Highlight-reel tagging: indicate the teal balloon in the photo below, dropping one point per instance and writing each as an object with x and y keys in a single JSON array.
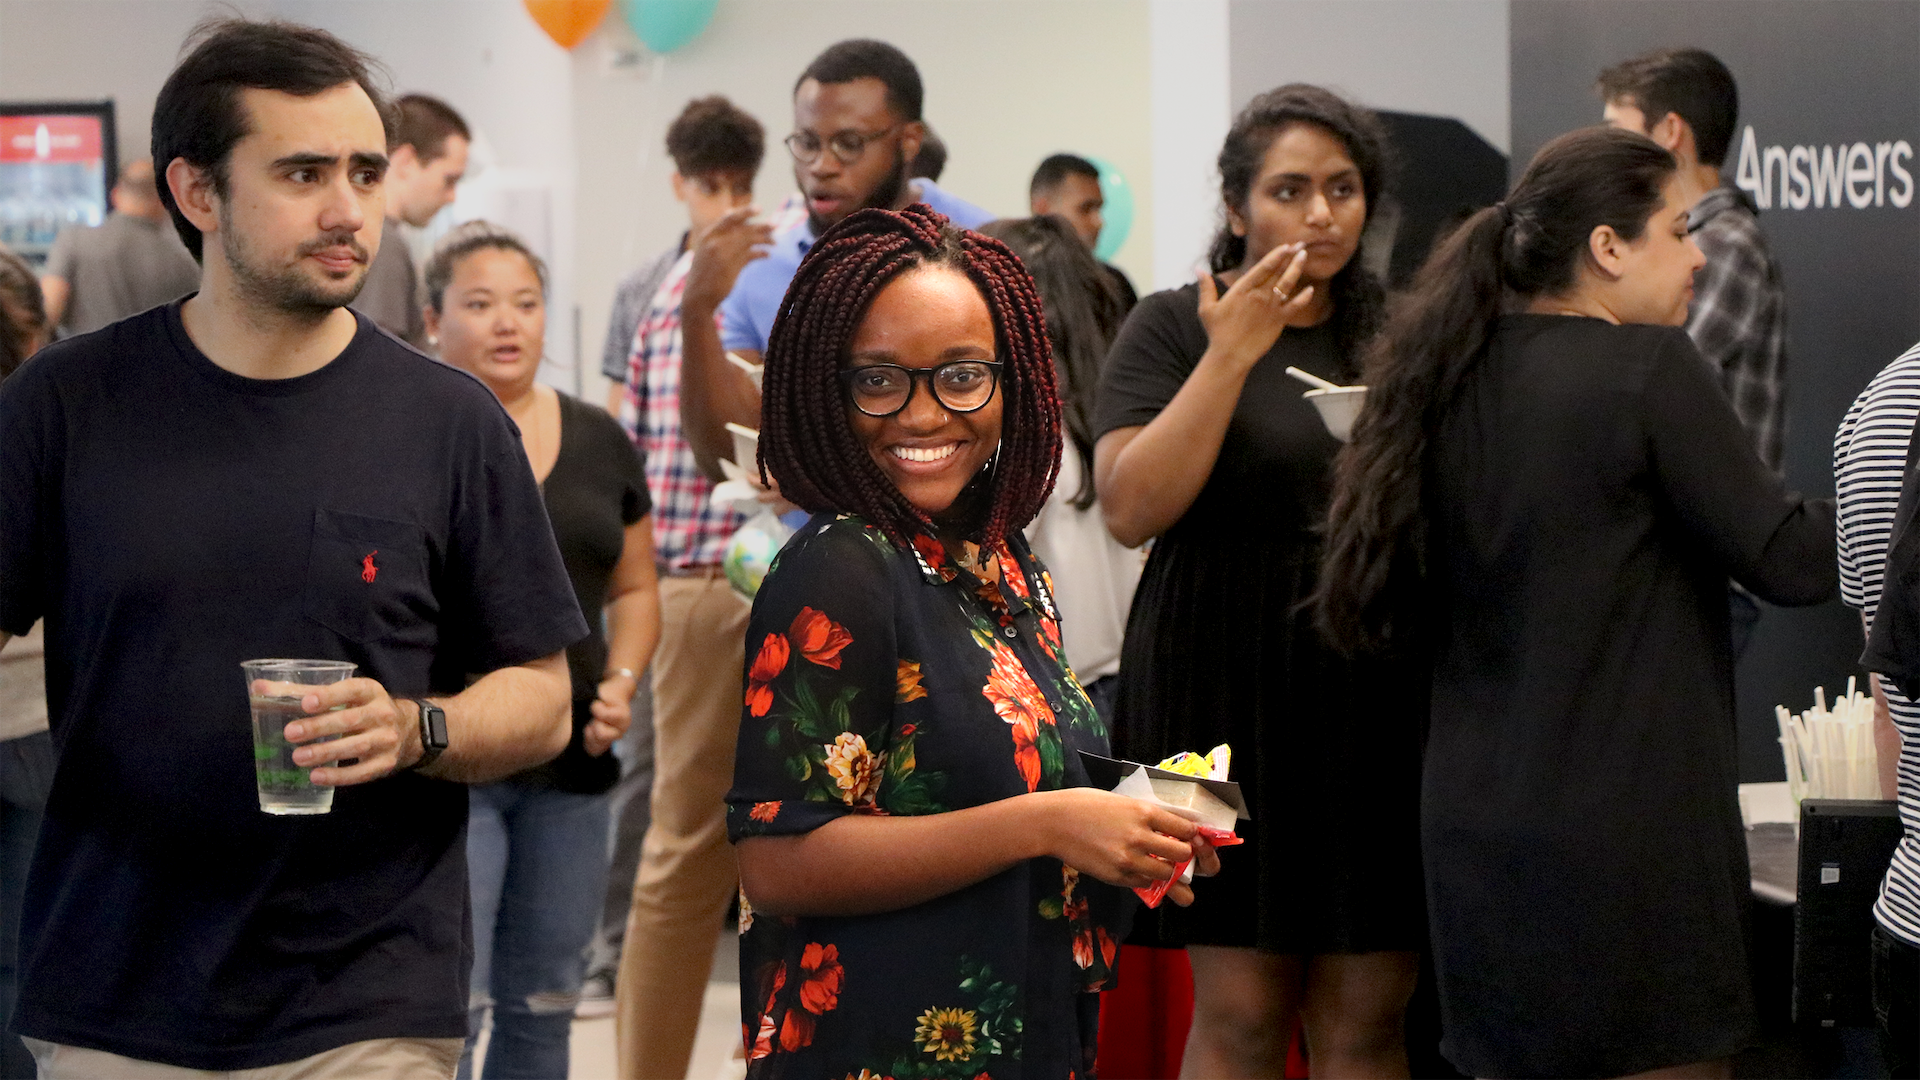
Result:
[
  {"x": 665, "y": 25},
  {"x": 1117, "y": 213}
]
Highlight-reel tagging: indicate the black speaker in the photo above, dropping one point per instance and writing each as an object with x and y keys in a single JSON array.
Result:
[{"x": 1845, "y": 846}]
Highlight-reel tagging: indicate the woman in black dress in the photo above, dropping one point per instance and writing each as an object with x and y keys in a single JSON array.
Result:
[
  {"x": 1547, "y": 492},
  {"x": 537, "y": 841},
  {"x": 1206, "y": 444},
  {"x": 930, "y": 889}
]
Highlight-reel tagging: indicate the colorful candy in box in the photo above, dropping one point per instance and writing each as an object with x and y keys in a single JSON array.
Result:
[{"x": 1193, "y": 786}]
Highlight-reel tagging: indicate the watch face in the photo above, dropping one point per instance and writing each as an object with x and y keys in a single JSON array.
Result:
[{"x": 434, "y": 721}]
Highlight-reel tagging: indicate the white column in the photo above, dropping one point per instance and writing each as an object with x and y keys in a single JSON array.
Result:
[{"x": 1191, "y": 110}]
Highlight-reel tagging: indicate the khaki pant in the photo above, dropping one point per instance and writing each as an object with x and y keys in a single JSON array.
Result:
[
  {"x": 687, "y": 873},
  {"x": 375, "y": 1059}
]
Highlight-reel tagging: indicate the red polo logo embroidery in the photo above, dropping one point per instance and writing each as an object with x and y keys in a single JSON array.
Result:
[{"x": 368, "y": 571}]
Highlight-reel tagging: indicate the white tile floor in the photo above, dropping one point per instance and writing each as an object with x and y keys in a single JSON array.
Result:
[{"x": 715, "y": 1047}]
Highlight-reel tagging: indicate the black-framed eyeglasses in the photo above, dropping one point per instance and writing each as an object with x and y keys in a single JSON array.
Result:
[
  {"x": 961, "y": 386},
  {"x": 847, "y": 146}
]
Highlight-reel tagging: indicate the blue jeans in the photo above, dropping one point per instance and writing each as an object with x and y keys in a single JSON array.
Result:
[
  {"x": 26, "y": 774},
  {"x": 537, "y": 867}
]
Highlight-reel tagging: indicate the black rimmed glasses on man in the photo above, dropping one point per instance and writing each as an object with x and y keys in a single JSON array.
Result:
[
  {"x": 960, "y": 386},
  {"x": 846, "y": 146}
]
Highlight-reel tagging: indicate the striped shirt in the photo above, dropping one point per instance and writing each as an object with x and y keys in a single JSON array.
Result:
[
  {"x": 1869, "y": 460},
  {"x": 689, "y": 533}
]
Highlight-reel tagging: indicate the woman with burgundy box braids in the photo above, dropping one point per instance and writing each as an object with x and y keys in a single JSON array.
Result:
[
  {"x": 817, "y": 457},
  {"x": 930, "y": 887}
]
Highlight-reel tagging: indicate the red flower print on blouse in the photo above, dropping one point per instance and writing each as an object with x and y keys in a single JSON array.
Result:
[
  {"x": 1084, "y": 944},
  {"x": 1026, "y": 755},
  {"x": 765, "y": 811},
  {"x": 822, "y": 975},
  {"x": 1015, "y": 698},
  {"x": 931, "y": 550},
  {"x": 1022, "y": 706},
  {"x": 766, "y": 667},
  {"x": 1019, "y": 702},
  {"x": 819, "y": 638},
  {"x": 763, "y": 1045}
]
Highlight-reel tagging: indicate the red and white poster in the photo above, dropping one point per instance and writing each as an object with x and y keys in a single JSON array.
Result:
[{"x": 75, "y": 139}]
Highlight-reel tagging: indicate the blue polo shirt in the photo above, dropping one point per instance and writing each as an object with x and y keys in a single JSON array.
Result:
[{"x": 746, "y": 316}]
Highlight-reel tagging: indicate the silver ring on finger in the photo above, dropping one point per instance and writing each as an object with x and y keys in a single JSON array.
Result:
[{"x": 1279, "y": 295}]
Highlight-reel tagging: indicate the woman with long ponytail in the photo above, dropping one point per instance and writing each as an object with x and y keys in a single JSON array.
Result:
[{"x": 1545, "y": 496}]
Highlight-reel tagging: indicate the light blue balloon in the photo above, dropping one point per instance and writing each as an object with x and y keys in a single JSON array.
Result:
[
  {"x": 1117, "y": 213},
  {"x": 665, "y": 25}
]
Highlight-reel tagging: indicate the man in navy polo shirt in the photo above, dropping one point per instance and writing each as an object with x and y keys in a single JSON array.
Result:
[{"x": 257, "y": 472}]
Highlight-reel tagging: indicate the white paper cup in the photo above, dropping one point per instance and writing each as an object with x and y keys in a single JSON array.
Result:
[{"x": 1338, "y": 408}]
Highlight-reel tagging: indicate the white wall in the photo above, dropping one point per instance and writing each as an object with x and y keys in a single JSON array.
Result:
[
  {"x": 92, "y": 49},
  {"x": 1192, "y": 109},
  {"x": 1006, "y": 84},
  {"x": 1440, "y": 57}
]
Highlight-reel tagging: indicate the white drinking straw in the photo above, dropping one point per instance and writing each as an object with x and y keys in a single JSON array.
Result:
[{"x": 1313, "y": 380}]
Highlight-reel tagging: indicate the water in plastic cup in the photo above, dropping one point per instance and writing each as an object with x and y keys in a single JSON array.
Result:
[{"x": 274, "y": 690}]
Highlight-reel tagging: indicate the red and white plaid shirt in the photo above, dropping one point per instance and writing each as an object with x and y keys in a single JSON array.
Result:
[{"x": 688, "y": 532}]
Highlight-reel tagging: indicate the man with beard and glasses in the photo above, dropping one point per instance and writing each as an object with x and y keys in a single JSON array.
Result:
[
  {"x": 257, "y": 471},
  {"x": 857, "y": 130},
  {"x": 856, "y": 127}
]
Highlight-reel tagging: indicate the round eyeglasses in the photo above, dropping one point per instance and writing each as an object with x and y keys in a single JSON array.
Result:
[
  {"x": 846, "y": 146},
  {"x": 961, "y": 386}
]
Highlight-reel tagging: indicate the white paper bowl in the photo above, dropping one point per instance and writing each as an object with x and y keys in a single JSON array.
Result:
[{"x": 1338, "y": 408}]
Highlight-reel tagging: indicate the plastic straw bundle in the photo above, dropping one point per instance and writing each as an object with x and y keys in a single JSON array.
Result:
[{"x": 1829, "y": 751}]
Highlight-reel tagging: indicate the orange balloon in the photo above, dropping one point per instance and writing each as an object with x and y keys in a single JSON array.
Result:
[{"x": 568, "y": 22}]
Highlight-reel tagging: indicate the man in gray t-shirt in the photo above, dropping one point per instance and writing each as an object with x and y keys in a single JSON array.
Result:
[
  {"x": 429, "y": 156},
  {"x": 130, "y": 262}
]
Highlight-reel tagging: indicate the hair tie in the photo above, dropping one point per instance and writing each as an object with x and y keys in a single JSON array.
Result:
[{"x": 1506, "y": 213}]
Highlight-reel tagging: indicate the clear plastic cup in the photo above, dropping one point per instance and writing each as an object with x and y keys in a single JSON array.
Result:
[{"x": 274, "y": 690}]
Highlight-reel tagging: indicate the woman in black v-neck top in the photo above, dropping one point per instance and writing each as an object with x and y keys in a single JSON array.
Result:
[
  {"x": 536, "y": 841},
  {"x": 1550, "y": 502},
  {"x": 1206, "y": 446}
]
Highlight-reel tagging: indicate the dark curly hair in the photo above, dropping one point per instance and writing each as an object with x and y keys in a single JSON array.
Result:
[
  {"x": 1533, "y": 244},
  {"x": 713, "y": 135},
  {"x": 807, "y": 443},
  {"x": 1358, "y": 298}
]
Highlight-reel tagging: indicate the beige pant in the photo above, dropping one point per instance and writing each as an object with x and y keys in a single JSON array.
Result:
[
  {"x": 375, "y": 1059},
  {"x": 687, "y": 873}
]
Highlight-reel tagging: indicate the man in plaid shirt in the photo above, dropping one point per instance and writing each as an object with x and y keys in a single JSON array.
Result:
[
  {"x": 1686, "y": 100},
  {"x": 686, "y": 873}
]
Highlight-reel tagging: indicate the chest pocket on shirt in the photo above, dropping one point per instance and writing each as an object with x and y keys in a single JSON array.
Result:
[{"x": 367, "y": 578}]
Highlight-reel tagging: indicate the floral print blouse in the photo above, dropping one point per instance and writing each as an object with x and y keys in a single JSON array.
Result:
[{"x": 891, "y": 681}]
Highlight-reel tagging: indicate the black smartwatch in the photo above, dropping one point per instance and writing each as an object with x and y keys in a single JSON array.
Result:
[{"x": 433, "y": 733}]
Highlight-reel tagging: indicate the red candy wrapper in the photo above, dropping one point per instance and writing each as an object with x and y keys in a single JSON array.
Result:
[{"x": 1153, "y": 894}]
